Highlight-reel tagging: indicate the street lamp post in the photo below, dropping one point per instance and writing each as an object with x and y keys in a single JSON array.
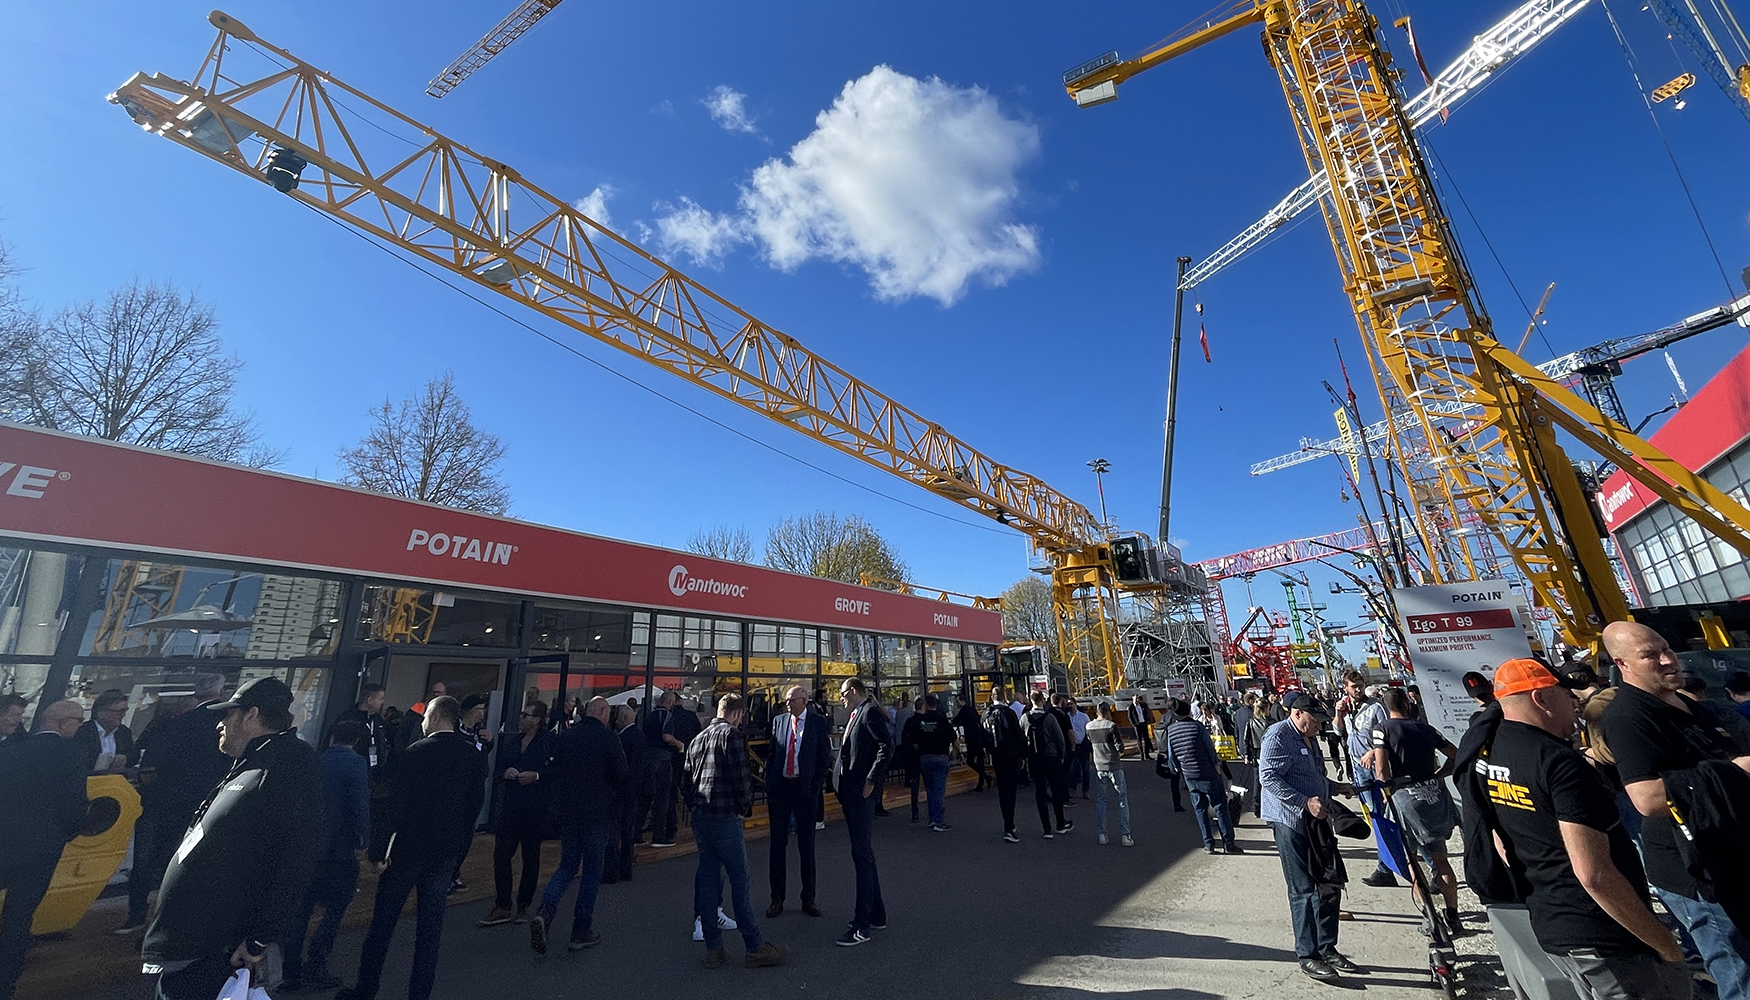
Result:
[{"x": 1101, "y": 467}]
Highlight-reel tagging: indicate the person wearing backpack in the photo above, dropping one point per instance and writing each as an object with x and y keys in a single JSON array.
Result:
[
  {"x": 1047, "y": 752},
  {"x": 1008, "y": 752}
]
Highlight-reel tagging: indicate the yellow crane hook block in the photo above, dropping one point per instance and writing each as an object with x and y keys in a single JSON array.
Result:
[
  {"x": 90, "y": 859},
  {"x": 1675, "y": 87}
]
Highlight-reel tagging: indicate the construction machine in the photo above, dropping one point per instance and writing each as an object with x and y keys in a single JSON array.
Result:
[
  {"x": 262, "y": 111},
  {"x": 1472, "y": 427}
]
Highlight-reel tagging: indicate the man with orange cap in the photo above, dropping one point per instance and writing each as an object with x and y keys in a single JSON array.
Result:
[{"x": 1560, "y": 832}]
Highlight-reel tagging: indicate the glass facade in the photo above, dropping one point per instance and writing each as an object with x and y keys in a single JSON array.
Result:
[
  {"x": 411, "y": 614},
  {"x": 1674, "y": 562}
]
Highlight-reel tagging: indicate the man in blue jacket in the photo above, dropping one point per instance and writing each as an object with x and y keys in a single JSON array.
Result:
[
  {"x": 590, "y": 782},
  {"x": 346, "y": 830},
  {"x": 798, "y": 761}
]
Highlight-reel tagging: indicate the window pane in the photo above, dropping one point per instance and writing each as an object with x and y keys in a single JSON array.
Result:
[
  {"x": 438, "y": 617},
  {"x": 640, "y": 638},
  {"x": 172, "y": 609},
  {"x": 163, "y": 692},
  {"x": 900, "y": 657},
  {"x": 847, "y": 654},
  {"x": 942, "y": 659},
  {"x": 36, "y": 589}
]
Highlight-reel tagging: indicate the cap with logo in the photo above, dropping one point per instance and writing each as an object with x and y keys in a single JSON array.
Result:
[
  {"x": 1300, "y": 701},
  {"x": 1523, "y": 674},
  {"x": 269, "y": 694}
]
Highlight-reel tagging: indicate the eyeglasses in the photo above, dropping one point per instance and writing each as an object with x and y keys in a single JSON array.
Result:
[{"x": 530, "y": 715}]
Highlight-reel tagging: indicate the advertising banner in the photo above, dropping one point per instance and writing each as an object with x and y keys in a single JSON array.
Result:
[{"x": 1455, "y": 628}]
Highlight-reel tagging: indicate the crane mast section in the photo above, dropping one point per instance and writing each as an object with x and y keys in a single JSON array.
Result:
[
  {"x": 450, "y": 206},
  {"x": 1489, "y": 54}
]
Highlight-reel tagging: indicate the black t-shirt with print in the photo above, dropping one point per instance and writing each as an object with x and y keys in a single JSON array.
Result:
[
  {"x": 1410, "y": 748},
  {"x": 1648, "y": 738},
  {"x": 1535, "y": 781}
]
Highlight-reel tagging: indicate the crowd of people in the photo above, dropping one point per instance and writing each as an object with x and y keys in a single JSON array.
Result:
[{"x": 1575, "y": 797}]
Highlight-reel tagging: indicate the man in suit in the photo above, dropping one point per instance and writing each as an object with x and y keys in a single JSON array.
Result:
[
  {"x": 591, "y": 782},
  {"x": 862, "y": 765},
  {"x": 621, "y": 847},
  {"x": 12, "y": 708},
  {"x": 180, "y": 762},
  {"x": 42, "y": 781},
  {"x": 797, "y": 763},
  {"x": 439, "y": 783},
  {"x": 105, "y": 734},
  {"x": 661, "y": 765}
]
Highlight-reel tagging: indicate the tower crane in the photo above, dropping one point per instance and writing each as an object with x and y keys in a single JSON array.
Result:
[
  {"x": 1594, "y": 369},
  {"x": 289, "y": 124},
  {"x": 495, "y": 41},
  {"x": 1472, "y": 426}
]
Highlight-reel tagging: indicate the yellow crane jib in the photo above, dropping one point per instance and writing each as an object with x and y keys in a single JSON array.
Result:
[
  {"x": 1471, "y": 425},
  {"x": 289, "y": 124}
]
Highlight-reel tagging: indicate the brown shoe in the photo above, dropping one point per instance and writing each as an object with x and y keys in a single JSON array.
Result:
[
  {"x": 717, "y": 959},
  {"x": 776, "y": 909},
  {"x": 766, "y": 956}
]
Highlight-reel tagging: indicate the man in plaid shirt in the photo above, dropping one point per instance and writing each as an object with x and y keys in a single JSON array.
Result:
[{"x": 719, "y": 790}]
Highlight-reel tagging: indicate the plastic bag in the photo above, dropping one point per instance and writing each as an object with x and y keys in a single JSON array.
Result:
[{"x": 238, "y": 988}]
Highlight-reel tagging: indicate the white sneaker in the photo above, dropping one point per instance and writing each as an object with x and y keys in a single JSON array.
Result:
[
  {"x": 698, "y": 930},
  {"x": 1102, "y": 840},
  {"x": 1128, "y": 841},
  {"x": 724, "y": 921},
  {"x": 820, "y": 824}
]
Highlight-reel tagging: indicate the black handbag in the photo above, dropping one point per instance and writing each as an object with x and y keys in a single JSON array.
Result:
[{"x": 1163, "y": 769}]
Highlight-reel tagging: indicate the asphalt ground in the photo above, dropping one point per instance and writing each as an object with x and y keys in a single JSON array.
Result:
[{"x": 969, "y": 917}]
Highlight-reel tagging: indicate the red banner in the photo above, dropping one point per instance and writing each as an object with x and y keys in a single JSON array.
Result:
[
  {"x": 1460, "y": 621},
  {"x": 64, "y": 488}
]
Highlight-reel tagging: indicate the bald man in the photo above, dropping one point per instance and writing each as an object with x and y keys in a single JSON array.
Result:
[
  {"x": 590, "y": 784},
  {"x": 1652, "y": 730},
  {"x": 798, "y": 760},
  {"x": 43, "y": 785}
]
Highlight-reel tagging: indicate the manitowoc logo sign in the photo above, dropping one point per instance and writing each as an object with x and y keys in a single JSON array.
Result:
[
  {"x": 681, "y": 583},
  {"x": 461, "y": 547}
]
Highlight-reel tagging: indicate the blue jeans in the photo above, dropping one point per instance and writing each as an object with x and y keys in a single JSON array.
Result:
[
  {"x": 331, "y": 887},
  {"x": 860, "y": 825},
  {"x": 1312, "y": 907},
  {"x": 1111, "y": 783},
  {"x": 1723, "y": 947},
  {"x": 722, "y": 849},
  {"x": 584, "y": 844},
  {"x": 432, "y": 880},
  {"x": 935, "y": 768},
  {"x": 1206, "y": 795}
]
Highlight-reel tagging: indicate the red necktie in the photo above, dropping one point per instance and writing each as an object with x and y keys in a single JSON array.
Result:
[{"x": 790, "y": 757}]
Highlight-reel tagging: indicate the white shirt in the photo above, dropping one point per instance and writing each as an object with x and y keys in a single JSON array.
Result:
[{"x": 105, "y": 740}]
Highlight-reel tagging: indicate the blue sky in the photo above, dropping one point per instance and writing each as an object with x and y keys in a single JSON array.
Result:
[{"x": 1052, "y": 351}]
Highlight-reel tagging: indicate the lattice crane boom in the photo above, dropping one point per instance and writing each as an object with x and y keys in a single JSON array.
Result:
[
  {"x": 1483, "y": 436},
  {"x": 495, "y": 41},
  {"x": 1490, "y": 53},
  {"x": 435, "y": 199}
]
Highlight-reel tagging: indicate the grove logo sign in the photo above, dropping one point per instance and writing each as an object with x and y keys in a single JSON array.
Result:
[
  {"x": 681, "y": 583},
  {"x": 28, "y": 481}
]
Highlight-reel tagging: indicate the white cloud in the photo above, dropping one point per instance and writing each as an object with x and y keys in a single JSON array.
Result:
[
  {"x": 914, "y": 181},
  {"x": 701, "y": 234},
  {"x": 595, "y": 205},
  {"x": 728, "y": 108}
]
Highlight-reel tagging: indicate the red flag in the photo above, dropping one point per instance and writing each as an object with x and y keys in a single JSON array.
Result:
[{"x": 1203, "y": 338}]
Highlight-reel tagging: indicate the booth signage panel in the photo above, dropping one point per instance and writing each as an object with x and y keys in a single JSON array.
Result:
[
  {"x": 64, "y": 488},
  {"x": 1452, "y": 629}
]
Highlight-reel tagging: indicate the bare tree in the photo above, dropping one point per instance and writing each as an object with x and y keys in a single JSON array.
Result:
[
  {"x": 826, "y": 545},
  {"x": 1027, "y": 612},
  {"x": 427, "y": 448},
  {"x": 722, "y": 542},
  {"x": 18, "y": 332},
  {"x": 145, "y": 366}
]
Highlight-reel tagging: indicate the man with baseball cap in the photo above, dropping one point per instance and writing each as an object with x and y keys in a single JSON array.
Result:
[
  {"x": 239, "y": 874},
  {"x": 1559, "y": 830},
  {"x": 1294, "y": 797}
]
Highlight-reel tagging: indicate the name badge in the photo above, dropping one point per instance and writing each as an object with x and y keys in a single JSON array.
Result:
[{"x": 1303, "y": 751}]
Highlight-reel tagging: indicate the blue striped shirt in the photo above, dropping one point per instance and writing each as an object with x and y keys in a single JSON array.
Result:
[{"x": 1290, "y": 770}]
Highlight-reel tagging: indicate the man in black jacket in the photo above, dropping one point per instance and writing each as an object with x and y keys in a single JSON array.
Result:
[
  {"x": 42, "y": 782},
  {"x": 1008, "y": 749},
  {"x": 590, "y": 782},
  {"x": 235, "y": 882},
  {"x": 377, "y": 746},
  {"x": 862, "y": 766},
  {"x": 797, "y": 762},
  {"x": 622, "y": 846},
  {"x": 439, "y": 784},
  {"x": 104, "y": 737},
  {"x": 180, "y": 762}
]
